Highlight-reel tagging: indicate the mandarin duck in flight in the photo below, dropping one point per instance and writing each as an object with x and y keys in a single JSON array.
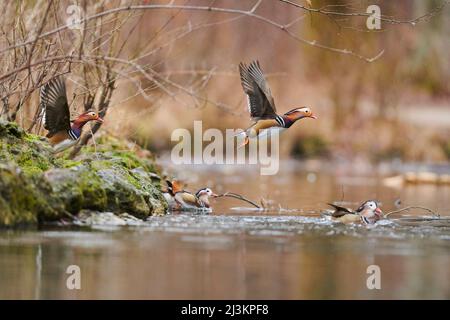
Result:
[
  {"x": 62, "y": 134},
  {"x": 261, "y": 105},
  {"x": 368, "y": 213},
  {"x": 190, "y": 201}
]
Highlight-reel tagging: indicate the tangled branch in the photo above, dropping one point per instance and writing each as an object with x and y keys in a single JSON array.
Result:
[{"x": 434, "y": 214}]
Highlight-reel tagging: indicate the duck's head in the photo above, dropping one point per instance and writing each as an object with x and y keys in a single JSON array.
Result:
[
  {"x": 300, "y": 113},
  {"x": 89, "y": 116},
  {"x": 370, "y": 208},
  {"x": 205, "y": 192},
  {"x": 203, "y": 196}
]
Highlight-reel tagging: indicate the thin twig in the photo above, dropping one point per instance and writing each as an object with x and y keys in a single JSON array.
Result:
[
  {"x": 435, "y": 214},
  {"x": 365, "y": 14},
  {"x": 239, "y": 197},
  {"x": 250, "y": 14}
]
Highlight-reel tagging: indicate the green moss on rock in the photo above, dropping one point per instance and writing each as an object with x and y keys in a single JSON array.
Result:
[
  {"x": 27, "y": 151},
  {"x": 21, "y": 202},
  {"x": 36, "y": 186}
]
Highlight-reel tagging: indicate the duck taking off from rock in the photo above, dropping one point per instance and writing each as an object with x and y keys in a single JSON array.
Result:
[
  {"x": 261, "y": 105},
  {"x": 368, "y": 213},
  {"x": 190, "y": 201},
  {"x": 53, "y": 101}
]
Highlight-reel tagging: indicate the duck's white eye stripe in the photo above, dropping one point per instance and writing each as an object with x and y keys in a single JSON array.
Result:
[{"x": 372, "y": 204}]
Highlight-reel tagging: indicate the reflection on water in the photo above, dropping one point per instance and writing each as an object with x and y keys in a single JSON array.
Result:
[{"x": 234, "y": 254}]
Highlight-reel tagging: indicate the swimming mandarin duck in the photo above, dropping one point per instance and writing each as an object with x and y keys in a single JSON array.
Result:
[
  {"x": 261, "y": 105},
  {"x": 367, "y": 213},
  {"x": 61, "y": 133},
  {"x": 169, "y": 193},
  {"x": 199, "y": 200}
]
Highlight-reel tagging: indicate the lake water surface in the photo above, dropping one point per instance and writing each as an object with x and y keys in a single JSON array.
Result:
[{"x": 288, "y": 252}]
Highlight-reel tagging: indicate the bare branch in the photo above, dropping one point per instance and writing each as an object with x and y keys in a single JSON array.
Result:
[
  {"x": 328, "y": 13},
  {"x": 200, "y": 8}
]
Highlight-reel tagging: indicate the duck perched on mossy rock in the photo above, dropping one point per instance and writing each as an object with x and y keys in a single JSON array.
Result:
[{"x": 36, "y": 187}]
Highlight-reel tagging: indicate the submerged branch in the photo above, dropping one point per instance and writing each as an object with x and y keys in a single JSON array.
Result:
[{"x": 239, "y": 197}]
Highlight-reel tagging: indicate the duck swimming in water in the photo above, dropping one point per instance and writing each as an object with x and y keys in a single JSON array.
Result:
[
  {"x": 368, "y": 213},
  {"x": 199, "y": 200}
]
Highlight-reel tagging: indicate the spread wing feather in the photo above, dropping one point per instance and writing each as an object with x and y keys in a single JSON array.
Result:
[
  {"x": 260, "y": 101},
  {"x": 53, "y": 101}
]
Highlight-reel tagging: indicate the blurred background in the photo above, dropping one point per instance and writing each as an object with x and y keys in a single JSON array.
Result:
[{"x": 395, "y": 107}]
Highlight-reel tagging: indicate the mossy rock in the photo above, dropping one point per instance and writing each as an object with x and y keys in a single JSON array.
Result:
[
  {"x": 30, "y": 152},
  {"x": 36, "y": 186},
  {"x": 21, "y": 202},
  {"x": 10, "y": 129},
  {"x": 77, "y": 188}
]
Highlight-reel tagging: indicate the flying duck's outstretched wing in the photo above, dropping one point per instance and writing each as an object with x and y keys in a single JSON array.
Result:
[
  {"x": 56, "y": 109},
  {"x": 260, "y": 101}
]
